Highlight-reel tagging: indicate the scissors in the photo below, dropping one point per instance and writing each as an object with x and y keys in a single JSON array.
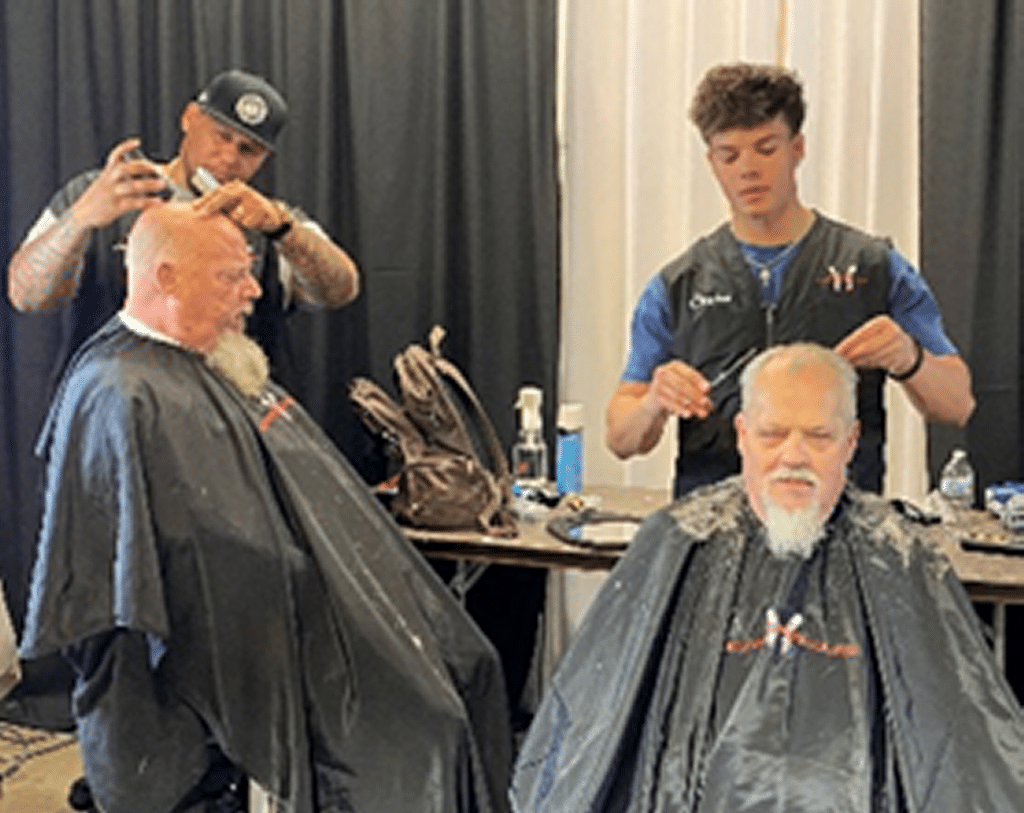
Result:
[{"x": 733, "y": 368}]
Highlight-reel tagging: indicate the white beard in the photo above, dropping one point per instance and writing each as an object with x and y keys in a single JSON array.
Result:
[
  {"x": 239, "y": 359},
  {"x": 793, "y": 532}
]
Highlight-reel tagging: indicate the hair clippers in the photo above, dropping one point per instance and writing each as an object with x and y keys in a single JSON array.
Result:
[
  {"x": 136, "y": 154},
  {"x": 203, "y": 181}
]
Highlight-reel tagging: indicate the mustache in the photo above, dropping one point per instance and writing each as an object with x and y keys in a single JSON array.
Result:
[{"x": 800, "y": 473}]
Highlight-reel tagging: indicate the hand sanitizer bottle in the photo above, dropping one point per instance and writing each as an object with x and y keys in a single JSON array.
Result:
[{"x": 529, "y": 453}]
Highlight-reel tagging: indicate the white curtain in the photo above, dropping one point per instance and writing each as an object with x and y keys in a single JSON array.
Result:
[{"x": 637, "y": 189}]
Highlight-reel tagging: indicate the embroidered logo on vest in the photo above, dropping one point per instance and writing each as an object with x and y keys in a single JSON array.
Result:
[
  {"x": 786, "y": 636},
  {"x": 842, "y": 281},
  {"x": 274, "y": 409}
]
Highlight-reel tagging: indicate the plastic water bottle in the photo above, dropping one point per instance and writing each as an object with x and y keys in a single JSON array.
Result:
[
  {"x": 569, "y": 451},
  {"x": 956, "y": 483}
]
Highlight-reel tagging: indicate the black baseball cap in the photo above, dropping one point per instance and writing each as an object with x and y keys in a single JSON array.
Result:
[{"x": 247, "y": 103}]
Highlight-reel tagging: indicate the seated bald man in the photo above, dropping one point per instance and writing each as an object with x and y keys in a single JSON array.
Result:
[
  {"x": 780, "y": 641},
  {"x": 225, "y": 587}
]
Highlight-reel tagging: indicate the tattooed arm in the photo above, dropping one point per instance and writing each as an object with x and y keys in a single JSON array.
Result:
[
  {"x": 45, "y": 272},
  {"x": 324, "y": 274}
]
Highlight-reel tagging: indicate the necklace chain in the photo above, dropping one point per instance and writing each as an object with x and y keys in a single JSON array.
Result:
[
  {"x": 764, "y": 271},
  {"x": 757, "y": 266}
]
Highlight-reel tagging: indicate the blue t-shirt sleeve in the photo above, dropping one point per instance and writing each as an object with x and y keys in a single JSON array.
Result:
[
  {"x": 650, "y": 334},
  {"x": 913, "y": 307}
]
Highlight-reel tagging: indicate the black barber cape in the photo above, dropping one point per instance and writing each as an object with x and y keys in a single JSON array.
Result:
[
  {"x": 217, "y": 571},
  {"x": 711, "y": 676}
]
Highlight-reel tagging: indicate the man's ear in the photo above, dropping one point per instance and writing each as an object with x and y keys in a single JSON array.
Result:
[
  {"x": 188, "y": 115},
  {"x": 799, "y": 147},
  {"x": 741, "y": 432},
  {"x": 851, "y": 441},
  {"x": 167, "y": 277}
]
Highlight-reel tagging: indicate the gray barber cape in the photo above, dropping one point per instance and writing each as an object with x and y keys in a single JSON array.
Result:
[
  {"x": 712, "y": 676},
  {"x": 218, "y": 573}
]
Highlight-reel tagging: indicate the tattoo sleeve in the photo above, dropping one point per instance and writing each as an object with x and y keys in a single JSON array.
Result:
[
  {"x": 46, "y": 271},
  {"x": 325, "y": 275}
]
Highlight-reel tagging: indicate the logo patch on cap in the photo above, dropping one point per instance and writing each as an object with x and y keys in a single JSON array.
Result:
[{"x": 251, "y": 109}]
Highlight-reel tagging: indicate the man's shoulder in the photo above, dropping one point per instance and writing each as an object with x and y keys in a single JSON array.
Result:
[
  {"x": 71, "y": 191},
  {"x": 831, "y": 230},
  {"x": 712, "y": 248},
  {"x": 710, "y": 510},
  {"x": 882, "y": 523},
  {"x": 116, "y": 366}
]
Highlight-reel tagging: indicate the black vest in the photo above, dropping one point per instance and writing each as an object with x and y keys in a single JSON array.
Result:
[{"x": 838, "y": 280}]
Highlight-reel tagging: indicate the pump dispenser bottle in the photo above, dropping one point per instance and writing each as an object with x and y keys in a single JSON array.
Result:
[{"x": 529, "y": 453}]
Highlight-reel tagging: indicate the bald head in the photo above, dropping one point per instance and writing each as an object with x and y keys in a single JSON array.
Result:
[
  {"x": 175, "y": 232},
  {"x": 189, "y": 274}
]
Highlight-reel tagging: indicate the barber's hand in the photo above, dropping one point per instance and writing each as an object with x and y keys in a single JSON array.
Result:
[
  {"x": 244, "y": 205},
  {"x": 879, "y": 343},
  {"x": 681, "y": 390},
  {"x": 123, "y": 185}
]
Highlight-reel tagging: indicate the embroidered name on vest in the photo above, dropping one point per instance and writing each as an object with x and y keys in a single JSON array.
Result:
[{"x": 700, "y": 301}]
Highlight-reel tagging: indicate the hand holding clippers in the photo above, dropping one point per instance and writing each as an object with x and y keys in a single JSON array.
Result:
[
  {"x": 136, "y": 154},
  {"x": 203, "y": 181},
  {"x": 244, "y": 205}
]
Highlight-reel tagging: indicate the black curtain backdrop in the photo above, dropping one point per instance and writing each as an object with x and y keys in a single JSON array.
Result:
[
  {"x": 971, "y": 212},
  {"x": 422, "y": 137},
  {"x": 972, "y": 92}
]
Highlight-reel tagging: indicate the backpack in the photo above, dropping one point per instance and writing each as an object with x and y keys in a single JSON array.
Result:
[{"x": 454, "y": 475}]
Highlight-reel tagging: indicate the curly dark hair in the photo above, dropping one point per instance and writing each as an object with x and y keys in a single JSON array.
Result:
[{"x": 746, "y": 95}]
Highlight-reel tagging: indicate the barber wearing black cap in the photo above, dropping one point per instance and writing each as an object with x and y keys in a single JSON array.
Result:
[{"x": 69, "y": 259}]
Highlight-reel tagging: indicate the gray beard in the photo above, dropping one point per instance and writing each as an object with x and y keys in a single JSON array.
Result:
[
  {"x": 239, "y": 359},
  {"x": 793, "y": 532}
]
